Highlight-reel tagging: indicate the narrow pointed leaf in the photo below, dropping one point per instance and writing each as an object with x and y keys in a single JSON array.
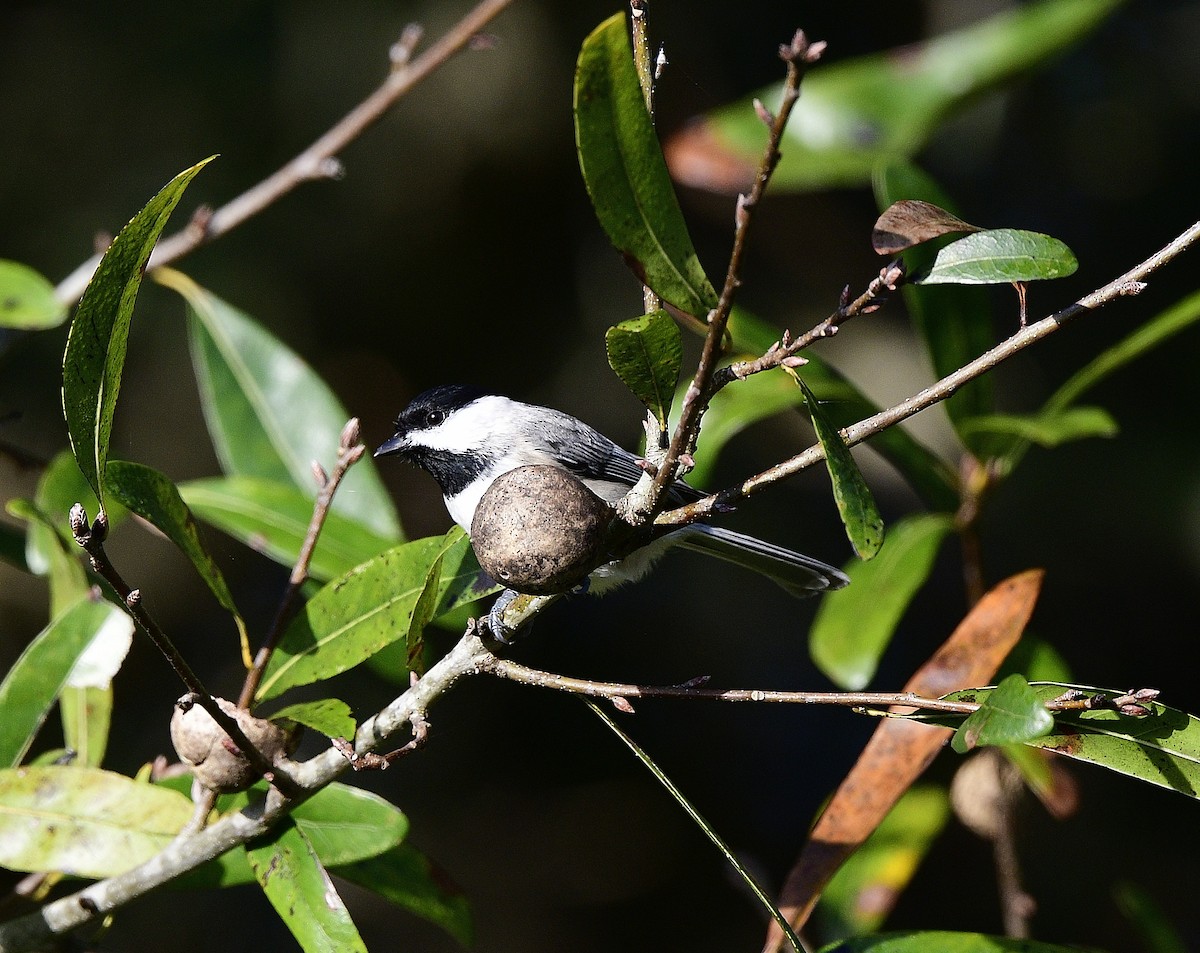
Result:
[
  {"x": 1000, "y": 255},
  {"x": 33, "y": 683},
  {"x": 86, "y": 701},
  {"x": 405, "y": 877},
  {"x": 1161, "y": 748},
  {"x": 1047, "y": 429},
  {"x": 155, "y": 499},
  {"x": 860, "y": 515},
  {"x": 423, "y": 613},
  {"x": 27, "y": 299},
  {"x": 626, "y": 176},
  {"x": 273, "y": 518},
  {"x": 302, "y": 893},
  {"x": 1150, "y": 335},
  {"x": 330, "y": 716},
  {"x": 858, "y": 112},
  {"x": 61, "y": 485},
  {"x": 355, "y": 616},
  {"x": 926, "y": 473},
  {"x": 86, "y": 720},
  {"x": 84, "y": 821},
  {"x": 955, "y": 321},
  {"x": 268, "y": 413},
  {"x": 854, "y": 625},
  {"x": 99, "y": 335},
  {"x": 646, "y": 353},
  {"x": 48, "y": 554},
  {"x": 1011, "y": 714}
]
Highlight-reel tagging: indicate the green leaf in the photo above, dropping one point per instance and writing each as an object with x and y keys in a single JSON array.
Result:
[
  {"x": 860, "y": 515},
  {"x": 858, "y": 112},
  {"x": 1141, "y": 341},
  {"x": 1149, "y": 918},
  {"x": 1150, "y": 335},
  {"x": 300, "y": 890},
  {"x": 943, "y": 941},
  {"x": 698, "y": 818},
  {"x": 99, "y": 335},
  {"x": 423, "y": 613},
  {"x": 405, "y": 877},
  {"x": 929, "y": 476},
  {"x": 60, "y": 486},
  {"x": 38, "y": 676},
  {"x": 343, "y": 824},
  {"x": 1010, "y": 714},
  {"x": 646, "y": 353},
  {"x": 86, "y": 720},
  {"x": 155, "y": 499},
  {"x": 84, "y": 821},
  {"x": 268, "y": 413},
  {"x": 999, "y": 255},
  {"x": 955, "y": 321},
  {"x": 854, "y": 625},
  {"x": 626, "y": 176},
  {"x": 355, "y": 616},
  {"x": 1047, "y": 429},
  {"x": 86, "y": 701},
  {"x": 863, "y": 892},
  {"x": 273, "y": 518},
  {"x": 330, "y": 716},
  {"x": 48, "y": 554},
  {"x": 27, "y": 300},
  {"x": 1161, "y": 748}
]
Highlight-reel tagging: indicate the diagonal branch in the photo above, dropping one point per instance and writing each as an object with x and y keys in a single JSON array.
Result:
[
  {"x": 319, "y": 160},
  {"x": 1130, "y": 283}
]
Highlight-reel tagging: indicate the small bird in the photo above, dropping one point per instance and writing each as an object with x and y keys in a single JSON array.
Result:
[{"x": 465, "y": 438}]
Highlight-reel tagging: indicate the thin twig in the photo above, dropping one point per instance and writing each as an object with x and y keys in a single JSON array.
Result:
[
  {"x": 349, "y": 452},
  {"x": 1131, "y": 703},
  {"x": 783, "y": 353},
  {"x": 639, "y": 15},
  {"x": 798, "y": 55},
  {"x": 319, "y": 160},
  {"x": 1130, "y": 283},
  {"x": 91, "y": 539}
]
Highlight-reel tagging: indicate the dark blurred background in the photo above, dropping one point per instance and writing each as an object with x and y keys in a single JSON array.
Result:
[{"x": 460, "y": 246}]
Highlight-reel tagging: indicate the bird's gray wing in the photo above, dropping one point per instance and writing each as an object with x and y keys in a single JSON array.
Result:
[{"x": 606, "y": 467}]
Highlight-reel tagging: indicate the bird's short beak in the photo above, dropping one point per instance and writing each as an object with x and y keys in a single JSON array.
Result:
[{"x": 397, "y": 444}]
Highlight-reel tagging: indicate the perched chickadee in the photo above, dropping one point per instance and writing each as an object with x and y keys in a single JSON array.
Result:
[{"x": 465, "y": 438}]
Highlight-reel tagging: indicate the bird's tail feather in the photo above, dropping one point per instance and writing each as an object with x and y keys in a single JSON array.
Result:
[{"x": 795, "y": 573}]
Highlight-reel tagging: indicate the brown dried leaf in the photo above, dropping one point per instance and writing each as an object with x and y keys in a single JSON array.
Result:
[
  {"x": 910, "y": 222},
  {"x": 899, "y": 751}
]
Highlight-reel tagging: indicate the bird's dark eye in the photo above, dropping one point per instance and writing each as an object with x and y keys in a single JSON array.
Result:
[{"x": 435, "y": 417}]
